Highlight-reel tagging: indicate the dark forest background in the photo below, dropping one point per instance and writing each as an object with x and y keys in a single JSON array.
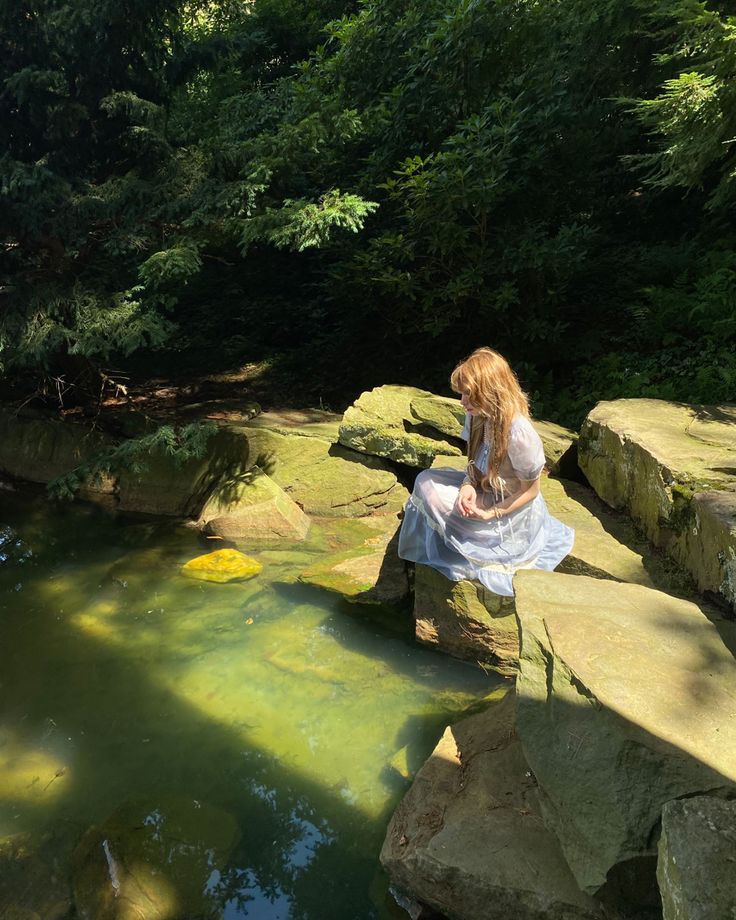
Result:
[{"x": 357, "y": 193}]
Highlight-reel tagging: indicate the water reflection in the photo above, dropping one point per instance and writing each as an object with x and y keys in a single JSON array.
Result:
[{"x": 269, "y": 707}]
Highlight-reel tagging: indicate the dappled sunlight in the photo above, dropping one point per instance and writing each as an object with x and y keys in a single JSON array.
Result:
[
  {"x": 30, "y": 775},
  {"x": 296, "y": 717}
]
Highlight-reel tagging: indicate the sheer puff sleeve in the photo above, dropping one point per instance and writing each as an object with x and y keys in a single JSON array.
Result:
[{"x": 525, "y": 450}]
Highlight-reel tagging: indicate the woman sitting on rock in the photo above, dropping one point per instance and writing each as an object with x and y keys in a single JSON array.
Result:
[{"x": 490, "y": 521}]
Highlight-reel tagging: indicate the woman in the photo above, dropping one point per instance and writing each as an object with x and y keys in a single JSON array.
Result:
[{"x": 491, "y": 521}]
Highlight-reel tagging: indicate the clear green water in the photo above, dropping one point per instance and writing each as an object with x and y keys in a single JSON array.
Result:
[{"x": 262, "y": 716}]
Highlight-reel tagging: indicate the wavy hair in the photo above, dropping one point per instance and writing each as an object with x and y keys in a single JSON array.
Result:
[{"x": 494, "y": 391}]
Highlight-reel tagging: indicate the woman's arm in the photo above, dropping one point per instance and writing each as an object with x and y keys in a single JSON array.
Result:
[{"x": 529, "y": 491}]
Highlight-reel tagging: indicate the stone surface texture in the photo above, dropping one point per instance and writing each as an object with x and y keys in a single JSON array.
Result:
[
  {"x": 465, "y": 620},
  {"x": 253, "y": 507},
  {"x": 672, "y": 467},
  {"x": 468, "y": 839},
  {"x": 381, "y": 423},
  {"x": 363, "y": 565},
  {"x": 696, "y": 869},
  {"x": 325, "y": 480},
  {"x": 39, "y": 449},
  {"x": 626, "y": 699}
]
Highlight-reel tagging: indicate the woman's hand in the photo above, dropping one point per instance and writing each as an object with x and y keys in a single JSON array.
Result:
[
  {"x": 487, "y": 514},
  {"x": 467, "y": 500}
]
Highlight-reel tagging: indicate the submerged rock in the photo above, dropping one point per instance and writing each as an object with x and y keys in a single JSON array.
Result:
[
  {"x": 381, "y": 423},
  {"x": 253, "y": 506},
  {"x": 626, "y": 699},
  {"x": 366, "y": 568},
  {"x": 672, "y": 467},
  {"x": 468, "y": 838},
  {"x": 696, "y": 870},
  {"x": 154, "y": 860},
  {"x": 222, "y": 565}
]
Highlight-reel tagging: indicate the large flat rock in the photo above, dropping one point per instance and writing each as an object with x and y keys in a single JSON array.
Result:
[
  {"x": 696, "y": 870},
  {"x": 468, "y": 839},
  {"x": 626, "y": 699},
  {"x": 672, "y": 467}
]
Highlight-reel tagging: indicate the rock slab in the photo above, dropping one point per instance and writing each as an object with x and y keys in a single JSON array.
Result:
[
  {"x": 672, "y": 467},
  {"x": 381, "y": 422},
  {"x": 626, "y": 699},
  {"x": 468, "y": 839},
  {"x": 696, "y": 870}
]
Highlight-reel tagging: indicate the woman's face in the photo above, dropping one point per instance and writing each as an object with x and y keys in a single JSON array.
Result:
[{"x": 466, "y": 403}]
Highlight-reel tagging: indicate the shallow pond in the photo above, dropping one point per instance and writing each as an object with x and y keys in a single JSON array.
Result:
[{"x": 256, "y": 733}]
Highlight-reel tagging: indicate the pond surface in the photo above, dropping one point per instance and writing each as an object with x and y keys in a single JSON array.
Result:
[{"x": 252, "y": 734}]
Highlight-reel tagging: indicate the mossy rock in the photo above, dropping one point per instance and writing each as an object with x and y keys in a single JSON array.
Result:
[
  {"x": 381, "y": 423},
  {"x": 223, "y": 565},
  {"x": 325, "y": 480},
  {"x": 672, "y": 467},
  {"x": 465, "y": 620},
  {"x": 252, "y": 506},
  {"x": 444, "y": 414},
  {"x": 365, "y": 567},
  {"x": 165, "y": 487},
  {"x": 41, "y": 449}
]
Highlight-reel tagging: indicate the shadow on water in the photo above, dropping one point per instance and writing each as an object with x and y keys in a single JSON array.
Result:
[{"x": 306, "y": 850}]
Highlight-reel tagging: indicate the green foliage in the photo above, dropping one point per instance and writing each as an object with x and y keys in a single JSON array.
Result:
[
  {"x": 180, "y": 444},
  {"x": 402, "y": 178}
]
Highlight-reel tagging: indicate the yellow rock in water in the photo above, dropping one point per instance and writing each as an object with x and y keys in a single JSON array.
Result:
[{"x": 222, "y": 565}]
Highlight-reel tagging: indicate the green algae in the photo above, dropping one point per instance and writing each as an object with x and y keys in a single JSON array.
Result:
[{"x": 265, "y": 700}]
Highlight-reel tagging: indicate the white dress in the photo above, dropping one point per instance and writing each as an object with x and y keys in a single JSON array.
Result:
[{"x": 435, "y": 533}]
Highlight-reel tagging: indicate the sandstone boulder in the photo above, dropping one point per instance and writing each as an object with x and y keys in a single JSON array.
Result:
[
  {"x": 626, "y": 699},
  {"x": 325, "y": 480},
  {"x": 696, "y": 870},
  {"x": 672, "y": 467},
  {"x": 165, "y": 487},
  {"x": 468, "y": 839},
  {"x": 40, "y": 449},
  {"x": 465, "y": 620},
  {"x": 469, "y": 622},
  {"x": 253, "y": 507},
  {"x": 381, "y": 423}
]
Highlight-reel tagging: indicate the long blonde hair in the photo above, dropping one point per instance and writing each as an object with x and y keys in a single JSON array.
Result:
[{"x": 494, "y": 391}]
